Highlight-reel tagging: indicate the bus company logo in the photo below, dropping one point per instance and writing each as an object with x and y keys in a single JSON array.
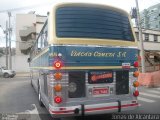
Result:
[{"x": 95, "y": 77}]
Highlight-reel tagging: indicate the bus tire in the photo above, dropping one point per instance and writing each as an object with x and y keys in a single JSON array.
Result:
[
  {"x": 31, "y": 83},
  {"x": 40, "y": 99},
  {"x": 31, "y": 78}
]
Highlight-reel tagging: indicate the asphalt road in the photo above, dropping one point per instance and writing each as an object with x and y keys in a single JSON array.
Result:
[
  {"x": 149, "y": 100},
  {"x": 17, "y": 96}
]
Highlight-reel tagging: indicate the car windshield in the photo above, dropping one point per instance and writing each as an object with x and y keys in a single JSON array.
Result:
[{"x": 4, "y": 68}]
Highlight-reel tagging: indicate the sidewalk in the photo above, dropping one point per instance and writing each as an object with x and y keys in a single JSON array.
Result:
[{"x": 22, "y": 74}]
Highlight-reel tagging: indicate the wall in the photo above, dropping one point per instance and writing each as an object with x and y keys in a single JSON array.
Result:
[
  {"x": 19, "y": 63},
  {"x": 150, "y": 45},
  {"x": 22, "y": 21}
]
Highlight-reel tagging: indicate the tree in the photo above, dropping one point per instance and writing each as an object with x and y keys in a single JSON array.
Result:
[{"x": 1, "y": 52}]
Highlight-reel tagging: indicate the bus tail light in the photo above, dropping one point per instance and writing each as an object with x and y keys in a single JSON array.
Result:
[
  {"x": 58, "y": 64},
  {"x": 136, "y": 93},
  {"x": 135, "y": 64},
  {"x": 136, "y": 74},
  {"x": 58, "y": 87},
  {"x": 135, "y": 83},
  {"x": 58, "y": 99},
  {"x": 58, "y": 76}
]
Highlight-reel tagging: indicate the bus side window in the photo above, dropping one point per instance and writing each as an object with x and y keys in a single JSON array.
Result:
[
  {"x": 39, "y": 42},
  {"x": 46, "y": 39},
  {"x": 36, "y": 48},
  {"x": 32, "y": 53},
  {"x": 45, "y": 36},
  {"x": 42, "y": 40}
]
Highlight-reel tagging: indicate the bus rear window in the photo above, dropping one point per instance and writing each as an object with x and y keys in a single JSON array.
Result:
[{"x": 92, "y": 22}]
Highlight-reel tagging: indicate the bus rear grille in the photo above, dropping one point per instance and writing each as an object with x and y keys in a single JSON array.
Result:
[
  {"x": 122, "y": 82},
  {"x": 76, "y": 84}
]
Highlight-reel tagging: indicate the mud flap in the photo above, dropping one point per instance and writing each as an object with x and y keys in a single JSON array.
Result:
[
  {"x": 119, "y": 106},
  {"x": 83, "y": 110}
]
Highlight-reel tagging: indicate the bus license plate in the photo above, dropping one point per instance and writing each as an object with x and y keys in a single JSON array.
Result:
[{"x": 100, "y": 91}]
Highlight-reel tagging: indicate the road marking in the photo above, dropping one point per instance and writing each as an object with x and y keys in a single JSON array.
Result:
[
  {"x": 139, "y": 105},
  {"x": 154, "y": 91},
  {"x": 150, "y": 95},
  {"x": 145, "y": 100}
]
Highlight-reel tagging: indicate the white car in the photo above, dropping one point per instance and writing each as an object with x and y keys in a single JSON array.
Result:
[{"x": 7, "y": 73}]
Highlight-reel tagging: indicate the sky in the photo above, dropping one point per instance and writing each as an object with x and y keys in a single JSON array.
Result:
[{"x": 43, "y": 6}]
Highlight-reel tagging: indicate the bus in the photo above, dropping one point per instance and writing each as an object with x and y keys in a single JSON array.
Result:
[{"x": 84, "y": 61}]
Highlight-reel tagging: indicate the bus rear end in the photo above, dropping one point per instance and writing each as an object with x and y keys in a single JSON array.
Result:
[{"x": 93, "y": 61}]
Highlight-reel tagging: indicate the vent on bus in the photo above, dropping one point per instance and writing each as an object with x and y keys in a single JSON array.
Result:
[
  {"x": 76, "y": 88},
  {"x": 122, "y": 82}
]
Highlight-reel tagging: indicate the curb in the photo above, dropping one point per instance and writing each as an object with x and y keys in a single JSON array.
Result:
[{"x": 22, "y": 75}]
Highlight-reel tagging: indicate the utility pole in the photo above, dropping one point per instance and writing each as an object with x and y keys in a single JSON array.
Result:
[
  {"x": 140, "y": 39},
  {"x": 6, "y": 32},
  {"x": 9, "y": 35}
]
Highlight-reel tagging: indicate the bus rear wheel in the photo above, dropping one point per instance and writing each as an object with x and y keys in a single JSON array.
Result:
[{"x": 31, "y": 83}]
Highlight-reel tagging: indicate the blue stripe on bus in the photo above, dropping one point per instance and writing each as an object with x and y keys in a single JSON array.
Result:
[
  {"x": 89, "y": 56},
  {"x": 77, "y": 56}
]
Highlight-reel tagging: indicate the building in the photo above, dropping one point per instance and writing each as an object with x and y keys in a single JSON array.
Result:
[
  {"x": 151, "y": 43},
  {"x": 2, "y": 51},
  {"x": 28, "y": 26},
  {"x": 150, "y": 18},
  {"x": 151, "y": 39}
]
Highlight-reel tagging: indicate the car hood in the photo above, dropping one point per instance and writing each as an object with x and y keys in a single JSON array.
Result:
[{"x": 9, "y": 71}]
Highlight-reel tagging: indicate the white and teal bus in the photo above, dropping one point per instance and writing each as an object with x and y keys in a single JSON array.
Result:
[{"x": 84, "y": 61}]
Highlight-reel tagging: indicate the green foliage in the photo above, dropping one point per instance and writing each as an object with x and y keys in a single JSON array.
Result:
[{"x": 1, "y": 52}]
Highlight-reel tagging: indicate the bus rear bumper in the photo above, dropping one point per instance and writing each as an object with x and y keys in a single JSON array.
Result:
[{"x": 81, "y": 110}]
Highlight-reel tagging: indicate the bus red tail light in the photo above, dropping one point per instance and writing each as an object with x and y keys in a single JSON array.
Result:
[
  {"x": 136, "y": 93},
  {"x": 135, "y": 64},
  {"x": 58, "y": 99},
  {"x": 57, "y": 64}
]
